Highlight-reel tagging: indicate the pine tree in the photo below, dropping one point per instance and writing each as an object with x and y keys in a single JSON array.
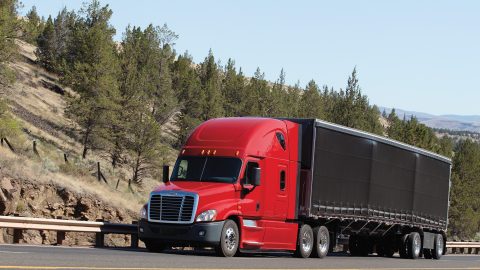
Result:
[
  {"x": 8, "y": 33},
  {"x": 464, "y": 211},
  {"x": 46, "y": 47},
  {"x": 210, "y": 79},
  {"x": 233, "y": 89},
  {"x": 33, "y": 26},
  {"x": 311, "y": 102},
  {"x": 93, "y": 74},
  {"x": 186, "y": 84}
]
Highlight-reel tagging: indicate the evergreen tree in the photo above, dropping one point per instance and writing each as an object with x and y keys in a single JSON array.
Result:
[
  {"x": 464, "y": 212},
  {"x": 8, "y": 33},
  {"x": 93, "y": 74},
  {"x": 311, "y": 102},
  {"x": 233, "y": 89},
  {"x": 210, "y": 79},
  {"x": 46, "y": 47},
  {"x": 186, "y": 83},
  {"x": 32, "y": 26}
]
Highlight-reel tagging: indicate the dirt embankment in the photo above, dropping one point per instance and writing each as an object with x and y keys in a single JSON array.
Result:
[{"x": 48, "y": 200}]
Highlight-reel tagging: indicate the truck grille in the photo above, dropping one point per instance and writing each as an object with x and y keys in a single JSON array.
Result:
[{"x": 172, "y": 208}]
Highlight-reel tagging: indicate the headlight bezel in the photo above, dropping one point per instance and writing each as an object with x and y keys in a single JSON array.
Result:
[
  {"x": 207, "y": 216},
  {"x": 144, "y": 212}
]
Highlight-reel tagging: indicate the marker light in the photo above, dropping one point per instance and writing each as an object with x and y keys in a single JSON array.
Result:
[
  {"x": 208, "y": 152},
  {"x": 203, "y": 151},
  {"x": 236, "y": 153},
  {"x": 183, "y": 151},
  {"x": 214, "y": 151}
]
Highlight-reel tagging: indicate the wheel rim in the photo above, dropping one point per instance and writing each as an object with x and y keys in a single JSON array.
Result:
[
  {"x": 323, "y": 243},
  {"x": 416, "y": 244},
  {"x": 230, "y": 239},
  {"x": 439, "y": 245},
  {"x": 306, "y": 241}
]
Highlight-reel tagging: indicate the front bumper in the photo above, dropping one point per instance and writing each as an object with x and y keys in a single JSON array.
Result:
[{"x": 207, "y": 233}]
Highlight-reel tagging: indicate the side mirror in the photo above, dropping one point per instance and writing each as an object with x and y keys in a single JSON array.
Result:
[
  {"x": 254, "y": 176},
  {"x": 166, "y": 172}
]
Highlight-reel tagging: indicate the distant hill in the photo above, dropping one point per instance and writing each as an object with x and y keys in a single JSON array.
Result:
[{"x": 469, "y": 123}]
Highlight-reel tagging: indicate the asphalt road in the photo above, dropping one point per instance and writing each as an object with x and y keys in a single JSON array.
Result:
[{"x": 49, "y": 257}]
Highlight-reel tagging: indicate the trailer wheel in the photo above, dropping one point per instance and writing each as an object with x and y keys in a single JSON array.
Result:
[
  {"x": 414, "y": 245},
  {"x": 437, "y": 251},
  {"x": 388, "y": 245},
  {"x": 402, "y": 247},
  {"x": 353, "y": 245},
  {"x": 322, "y": 242},
  {"x": 305, "y": 241},
  {"x": 229, "y": 240}
]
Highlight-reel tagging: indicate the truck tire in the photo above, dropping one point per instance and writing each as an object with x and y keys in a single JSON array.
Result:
[
  {"x": 414, "y": 245},
  {"x": 437, "y": 251},
  {"x": 353, "y": 245},
  {"x": 305, "y": 241},
  {"x": 388, "y": 246},
  {"x": 364, "y": 245},
  {"x": 229, "y": 240},
  {"x": 154, "y": 246},
  {"x": 322, "y": 242},
  {"x": 402, "y": 247}
]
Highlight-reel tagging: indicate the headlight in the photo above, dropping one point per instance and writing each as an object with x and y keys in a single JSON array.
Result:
[
  {"x": 208, "y": 215},
  {"x": 143, "y": 212}
]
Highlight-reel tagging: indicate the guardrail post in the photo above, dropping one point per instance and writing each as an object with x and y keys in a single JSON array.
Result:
[
  {"x": 99, "y": 239},
  {"x": 462, "y": 250},
  {"x": 17, "y": 235},
  {"x": 134, "y": 237},
  {"x": 60, "y": 237}
]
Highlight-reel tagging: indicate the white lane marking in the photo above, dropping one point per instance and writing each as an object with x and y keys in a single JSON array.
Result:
[{"x": 13, "y": 252}]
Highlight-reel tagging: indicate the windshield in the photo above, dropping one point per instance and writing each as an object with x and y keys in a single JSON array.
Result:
[{"x": 207, "y": 169}]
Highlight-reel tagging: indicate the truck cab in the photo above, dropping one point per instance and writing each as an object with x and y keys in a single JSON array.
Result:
[{"x": 233, "y": 187}]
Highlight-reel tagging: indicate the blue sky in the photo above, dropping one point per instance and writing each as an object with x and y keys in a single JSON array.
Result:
[{"x": 415, "y": 55}]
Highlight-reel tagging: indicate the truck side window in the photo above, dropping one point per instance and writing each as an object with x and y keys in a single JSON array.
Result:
[
  {"x": 182, "y": 169},
  {"x": 247, "y": 170},
  {"x": 282, "y": 180},
  {"x": 281, "y": 140}
]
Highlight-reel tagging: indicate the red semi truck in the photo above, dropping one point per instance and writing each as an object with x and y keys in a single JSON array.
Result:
[{"x": 300, "y": 185}]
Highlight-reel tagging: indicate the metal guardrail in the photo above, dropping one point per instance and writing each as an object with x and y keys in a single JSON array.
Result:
[
  {"x": 463, "y": 247},
  {"x": 61, "y": 226}
]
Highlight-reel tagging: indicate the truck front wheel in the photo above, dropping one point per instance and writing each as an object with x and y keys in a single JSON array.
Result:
[
  {"x": 322, "y": 241},
  {"x": 305, "y": 241},
  {"x": 229, "y": 240}
]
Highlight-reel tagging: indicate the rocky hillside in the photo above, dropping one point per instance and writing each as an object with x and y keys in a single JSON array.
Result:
[{"x": 42, "y": 183}]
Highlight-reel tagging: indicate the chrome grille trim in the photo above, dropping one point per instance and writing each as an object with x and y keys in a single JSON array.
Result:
[{"x": 177, "y": 207}]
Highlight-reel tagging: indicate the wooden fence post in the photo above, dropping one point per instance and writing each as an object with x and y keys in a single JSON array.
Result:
[
  {"x": 98, "y": 171},
  {"x": 9, "y": 145},
  {"x": 65, "y": 158},
  {"x": 35, "y": 151}
]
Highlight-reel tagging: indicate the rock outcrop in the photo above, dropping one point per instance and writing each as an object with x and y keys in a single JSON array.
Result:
[{"x": 28, "y": 198}]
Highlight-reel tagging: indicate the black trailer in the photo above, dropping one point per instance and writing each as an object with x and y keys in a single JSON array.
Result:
[{"x": 383, "y": 195}]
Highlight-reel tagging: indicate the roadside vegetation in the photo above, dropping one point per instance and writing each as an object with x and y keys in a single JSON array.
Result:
[{"x": 133, "y": 103}]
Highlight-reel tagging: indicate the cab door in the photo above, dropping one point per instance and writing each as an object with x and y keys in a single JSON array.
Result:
[{"x": 251, "y": 197}]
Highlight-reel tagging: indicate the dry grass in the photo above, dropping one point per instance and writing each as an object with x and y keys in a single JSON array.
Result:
[
  {"x": 45, "y": 171},
  {"x": 40, "y": 110}
]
